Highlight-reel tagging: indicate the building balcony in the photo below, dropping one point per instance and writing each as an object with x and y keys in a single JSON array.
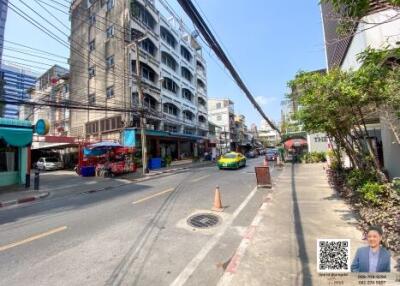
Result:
[
  {"x": 203, "y": 125},
  {"x": 201, "y": 74},
  {"x": 202, "y": 108},
  {"x": 201, "y": 92}
]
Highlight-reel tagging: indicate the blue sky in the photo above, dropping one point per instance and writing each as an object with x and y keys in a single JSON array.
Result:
[{"x": 268, "y": 42}]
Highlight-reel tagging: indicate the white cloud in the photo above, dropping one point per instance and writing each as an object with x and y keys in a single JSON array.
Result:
[{"x": 263, "y": 100}]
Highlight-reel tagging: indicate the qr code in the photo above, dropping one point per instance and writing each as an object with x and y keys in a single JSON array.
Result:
[{"x": 333, "y": 255}]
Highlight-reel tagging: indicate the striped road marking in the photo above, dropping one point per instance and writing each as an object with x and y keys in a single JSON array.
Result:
[
  {"x": 32, "y": 238},
  {"x": 153, "y": 196}
]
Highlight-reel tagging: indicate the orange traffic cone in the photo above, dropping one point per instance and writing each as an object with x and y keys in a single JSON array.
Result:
[{"x": 217, "y": 201}]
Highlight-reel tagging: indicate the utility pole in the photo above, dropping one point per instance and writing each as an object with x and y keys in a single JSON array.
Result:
[{"x": 141, "y": 109}]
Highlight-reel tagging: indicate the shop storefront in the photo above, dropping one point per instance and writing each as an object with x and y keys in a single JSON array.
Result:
[
  {"x": 15, "y": 142},
  {"x": 167, "y": 144}
]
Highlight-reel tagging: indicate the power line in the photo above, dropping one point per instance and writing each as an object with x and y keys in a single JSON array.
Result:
[
  {"x": 34, "y": 49},
  {"x": 194, "y": 15},
  {"x": 52, "y": 15}
]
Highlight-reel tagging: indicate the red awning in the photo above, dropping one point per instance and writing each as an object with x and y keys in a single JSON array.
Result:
[{"x": 289, "y": 144}]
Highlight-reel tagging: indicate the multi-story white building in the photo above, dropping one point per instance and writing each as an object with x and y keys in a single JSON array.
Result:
[
  {"x": 103, "y": 72},
  {"x": 221, "y": 113},
  {"x": 267, "y": 135}
]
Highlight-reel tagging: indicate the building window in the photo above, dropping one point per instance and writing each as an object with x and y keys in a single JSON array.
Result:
[
  {"x": 202, "y": 119},
  {"x": 92, "y": 19},
  {"x": 148, "y": 73},
  {"x": 148, "y": 46},
  {"x": 92, "y": 99},
  {"x": 110, "y": 62},
  {"x": 200, "y": 66},
  {"x": 110, "y": 31},
  {"x": 219, "y": 117},
  {"x": 92, "y": 127},
  {"x": 110, "y": 92},
  {"x": 187, "y": 115},
  {"x": 186, "y": 54},
  {"x": 201, "y": 84},
  {"x": 201, "y": 101},
  {"x": 92, "y": 45},
  {"x": 170, "y": 109},
  {"x": 92, "y": 72},
  {"x": 218, "y": 105},
  {"x": 168, "y": 37},
  {"x": 186, "y": 94},
  {"x": 168, "y": 60},
  {"x": 170, "y": 85},
  {"x": 110, "y": 4},
  {"x": 139, "y": 12},
  {"x": 186, "y": 74},
  {"x": 149, "y": 102}
]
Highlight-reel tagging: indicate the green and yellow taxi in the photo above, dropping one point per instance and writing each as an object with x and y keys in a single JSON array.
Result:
[{"x": 231, "y": 160}]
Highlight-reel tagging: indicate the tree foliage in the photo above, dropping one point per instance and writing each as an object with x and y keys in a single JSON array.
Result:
[
  {"x": 355, "y": 8},
  {"x": 341, "y": 103},
  {"x": 351, "y": 11}
]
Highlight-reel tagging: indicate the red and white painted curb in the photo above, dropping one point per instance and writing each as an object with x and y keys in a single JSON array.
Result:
[
  {"x": 233, "y": 265},
  {"x": 23, "y": 200}
]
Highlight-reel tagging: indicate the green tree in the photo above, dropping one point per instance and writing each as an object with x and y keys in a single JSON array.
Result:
[
  {"x": 341, "y": 103},
  {"x": 351, "y": 11}
]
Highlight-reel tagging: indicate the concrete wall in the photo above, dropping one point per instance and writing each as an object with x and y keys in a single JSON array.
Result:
[
  {"x": 391, "y": 152},
  {"x": 317, "y": 142},
  {"x": 374, "y": 36},
  {"x": 16, "y": 177}
]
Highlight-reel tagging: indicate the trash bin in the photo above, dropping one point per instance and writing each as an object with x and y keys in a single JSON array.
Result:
[
  {"x": 88, "y": 171},
  {"x": 154, "y": 163}
]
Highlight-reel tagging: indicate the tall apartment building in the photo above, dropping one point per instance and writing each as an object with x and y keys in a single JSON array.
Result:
[
  {"x": 379, "y": 29},
  {"x": 53, "y": 85},
  {"x": 3, "y": 18},
  {"x": 221, "y": 113},
  {"x": 103, "y": 72},
  {"x": 15, "y": 84}
]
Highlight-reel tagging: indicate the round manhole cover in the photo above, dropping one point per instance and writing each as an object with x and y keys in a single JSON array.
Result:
[{"x": 203, "y": 220}]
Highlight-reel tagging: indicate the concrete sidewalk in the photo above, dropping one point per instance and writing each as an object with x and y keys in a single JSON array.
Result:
[
  {"x": 280, "y": 246},
  {"x": 55, "y": 184}
]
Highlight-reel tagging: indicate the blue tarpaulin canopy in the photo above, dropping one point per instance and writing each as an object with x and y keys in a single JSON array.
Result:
[
  {"x": 100, "y": 148},
  {"x": 104, "y": 145}
]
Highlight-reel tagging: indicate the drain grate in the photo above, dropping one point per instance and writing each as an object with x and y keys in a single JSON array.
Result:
[{"x": 203, "y": 220}]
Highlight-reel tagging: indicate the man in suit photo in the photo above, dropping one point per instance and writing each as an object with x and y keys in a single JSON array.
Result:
[{"x": 372, "y": 258}]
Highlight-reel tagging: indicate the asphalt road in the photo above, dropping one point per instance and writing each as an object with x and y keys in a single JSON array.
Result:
[{"x": 132, "y": 235}]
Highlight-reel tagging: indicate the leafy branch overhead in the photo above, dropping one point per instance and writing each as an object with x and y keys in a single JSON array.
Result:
[{"x": 351, "y": 11}]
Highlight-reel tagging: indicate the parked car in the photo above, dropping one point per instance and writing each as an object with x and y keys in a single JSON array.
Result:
[
  {"x": 231, "y": 160},
  {"x": 271, "y": 155},
  {"x": 49, "y": 163},
  {"x": 251, "y": 154}
]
